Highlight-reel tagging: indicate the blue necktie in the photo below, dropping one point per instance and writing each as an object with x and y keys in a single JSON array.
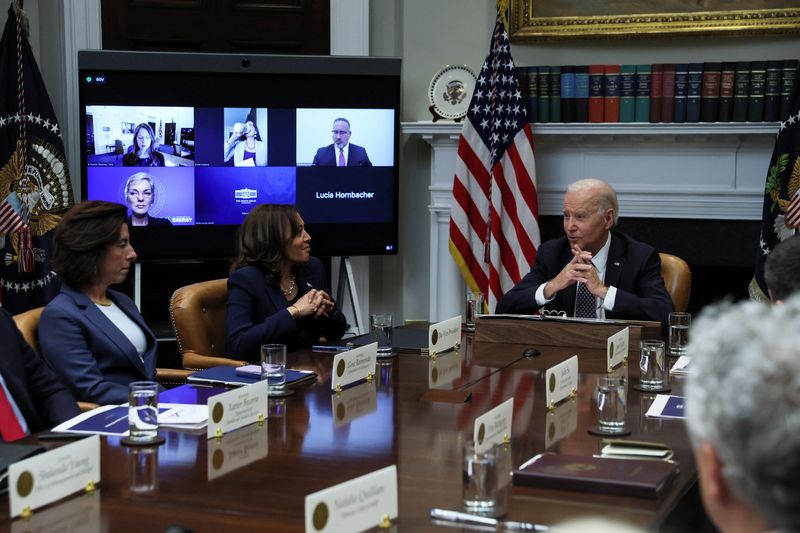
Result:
[{"x": 585, "y": 302}]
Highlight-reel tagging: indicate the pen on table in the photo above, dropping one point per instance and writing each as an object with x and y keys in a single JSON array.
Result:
[
  {"x": 455, "y": 516},
  {"x": 329, "y": 348}
]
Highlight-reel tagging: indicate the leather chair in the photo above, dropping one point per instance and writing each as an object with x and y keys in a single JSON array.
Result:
[
  {"x": 28, "y": 324},
  {"x": 677, "y": 278},
  {"x": 197, "y": 313}
]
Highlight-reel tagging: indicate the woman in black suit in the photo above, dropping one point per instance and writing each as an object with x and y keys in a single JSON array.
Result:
[
  {"x": 277, "y": 292},
  {"x": 144, "y": 152}
]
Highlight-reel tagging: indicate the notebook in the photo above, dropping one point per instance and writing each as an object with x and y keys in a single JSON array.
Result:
[
  {"x": 227, "y": 375},
  {"x": 410, "y": 339}
]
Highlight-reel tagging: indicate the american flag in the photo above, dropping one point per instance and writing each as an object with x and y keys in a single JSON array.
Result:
[{"x": 494, "y": 229}]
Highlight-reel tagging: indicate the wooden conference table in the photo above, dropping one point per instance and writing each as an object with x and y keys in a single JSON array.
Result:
[{"x": 413, "y": 415}]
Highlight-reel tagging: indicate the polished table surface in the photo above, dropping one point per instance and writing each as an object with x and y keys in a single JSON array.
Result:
[{"x": 315, "y": 439}]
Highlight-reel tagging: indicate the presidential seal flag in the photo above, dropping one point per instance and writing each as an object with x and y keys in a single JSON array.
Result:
[
  {"x": 780, "y": 215},
  {"x": 494, "y": 228},
  {"x": 35, "y": 188}
]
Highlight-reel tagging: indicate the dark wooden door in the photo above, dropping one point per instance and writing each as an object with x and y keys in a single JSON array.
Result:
[{"x": 265, "y": 26}]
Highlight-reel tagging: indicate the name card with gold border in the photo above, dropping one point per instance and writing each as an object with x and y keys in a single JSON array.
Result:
[
  {"x": 353, "y": 403},
  {"x": 561, "y": 422},
  {"x": 354, "y": 365},
  {"x": 444, "y": 370},
  {"x": 239, "y": 407},
  {"x": 355, "y": 505},
  {"x": 617, "y": 348},
  {"x": 50, "y": 476},
  {"x": 444, "y": 336},
  {"x": 561, "y": 381},
  {"x": 494, "y": 426}
]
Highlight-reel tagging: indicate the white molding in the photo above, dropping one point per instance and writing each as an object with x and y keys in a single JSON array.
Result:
[{"x": 349, "y": 27}]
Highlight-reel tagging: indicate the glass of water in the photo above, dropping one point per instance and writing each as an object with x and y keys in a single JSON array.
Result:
[
  {"x": 273, "y": 366},
  {"x": 612, "y": 403},
  {"x": 381, "y": 327},
  {"x": 143, "y": 411},
  {"x": 479, "y": 471},
  {"x": 474, "y": 308},
  {"x": 653, "y": 369},
  {"x": 679, "y": 333}
]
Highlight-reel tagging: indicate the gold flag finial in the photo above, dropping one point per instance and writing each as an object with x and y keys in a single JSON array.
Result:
[{"x": 502, "y": 8}]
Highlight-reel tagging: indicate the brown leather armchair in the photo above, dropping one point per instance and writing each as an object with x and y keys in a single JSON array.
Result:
[
  {"x": 677, "y": 278},
  {"x": 28, "y": 324},
  {"x": 197, "y": 313}
]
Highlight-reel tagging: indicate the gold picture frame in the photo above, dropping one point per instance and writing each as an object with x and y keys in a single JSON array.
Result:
[{"x": 553, "y": 20}]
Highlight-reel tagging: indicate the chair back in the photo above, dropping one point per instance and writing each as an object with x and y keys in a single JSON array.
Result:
[
  {"x": 28, "y": 325},
  {"x": 197, "y": 313},
  {"x": 677, "y": 279}
]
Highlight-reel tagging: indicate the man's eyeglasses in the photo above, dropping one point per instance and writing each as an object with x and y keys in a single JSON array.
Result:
[{"x": 340, "y": 132}]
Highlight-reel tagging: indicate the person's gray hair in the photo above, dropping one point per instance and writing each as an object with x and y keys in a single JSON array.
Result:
[
  {"x": 141, "y": 176},
  {"x": 782, "y": 269},
  {"x": 604, "y": 194},
  {"x": 342, "y": 119},
  {"x": 743, "y": 397}
]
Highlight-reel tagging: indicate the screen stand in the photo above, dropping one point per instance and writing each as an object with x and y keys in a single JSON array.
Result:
[
  {"x": 346, "y": 277},
  {"x": 137, "y": 285}
]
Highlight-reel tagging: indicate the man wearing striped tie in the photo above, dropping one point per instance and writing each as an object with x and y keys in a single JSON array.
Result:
[
  {"x": 342, "y": 153},
  {"x": 31, "y": 396},
  {"x": 592, "y": 271}
]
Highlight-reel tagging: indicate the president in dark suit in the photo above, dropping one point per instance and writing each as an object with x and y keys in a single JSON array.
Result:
[
  {"x": 342, "y": 153},
  {"x": 42, "y": 400},
  {"x": 592, "y": 272}
]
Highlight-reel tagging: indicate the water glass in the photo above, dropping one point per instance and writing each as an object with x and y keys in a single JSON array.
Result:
[
  {"x": 474, "y": 308},
  {"x": 653, "y": 369},
  {"x": 679, "y": 333},
  {"x": 380, "y": 325},
  {"x": 143, "y": 469},
  {"x": 479, "y": 471},
  {"x": 612, "y": 403},
  {"x": 143, "y": 411},
  {"x": 273, "y": 366}
]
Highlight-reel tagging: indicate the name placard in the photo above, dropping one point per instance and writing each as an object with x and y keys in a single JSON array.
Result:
[
  {"x": 560, "y": 422},
  {"x": 78, "y": 515},
  {"x": 355, "y": 505},
  {"x": 561, "y": 381},
  {"x": 239, "y": 407},
  {"x": 617, "y": 348},
  {"x": 237, "y": 450},
  {"x": 354, "y": 365},
  {"x": 494, "y": 426},
  {"x": 353, "y": 403},
  {"x": 444, "y": 370},
  {"x": 50, "y": 476},
  {"x": 444, "y": 335}
]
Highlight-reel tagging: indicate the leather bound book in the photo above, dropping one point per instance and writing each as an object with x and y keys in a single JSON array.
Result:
[
  {"x": 555, "y": 94},
  {"x": 627, "y": 93},
  {"x": 787, "y": 83},
  {"x": 656, "y": 88},
  {"x": 709, "y": 107},
  {"x": 625, "y": 477},
  {"x": 772, "y": 91},
  {"x": 679, "y": 102},
  {"x": 611, "y": 93},
  {"x": 741, "y": 88},
  {"x": 727, "y": 75},
  {"x": 532, "y": 93},
  {"x": 568, "y": 93},
  {"x": 667, "y": 92},
  {"x": 544, "y": 94},
  {"x": 643, "y": 77},
  {"x": 582, "y": 93},
  {"x": 694, "y": 85},
  {"x": 596, "y": 75},
  {"x": 755, "y": 105}
]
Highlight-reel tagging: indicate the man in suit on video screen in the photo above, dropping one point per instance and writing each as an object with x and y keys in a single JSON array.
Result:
[{"x": 342, "y": 153}]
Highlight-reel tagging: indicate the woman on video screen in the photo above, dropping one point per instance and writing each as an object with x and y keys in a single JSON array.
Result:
[
  {"x": 144, "y": 152},
  {"x": 140, "y": 193},
  {"x": 277, "y": 292},
  {"x": 245, "y": 146}
]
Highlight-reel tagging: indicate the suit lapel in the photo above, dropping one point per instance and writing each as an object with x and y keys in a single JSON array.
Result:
[{"x": 615, "y": 261}]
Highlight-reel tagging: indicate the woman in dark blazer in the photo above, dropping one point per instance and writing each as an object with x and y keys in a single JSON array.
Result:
[
  {"x": 277, "y": 292},
  {"x": 143, "y": 152},
  {"x": 94, "y": 338}
]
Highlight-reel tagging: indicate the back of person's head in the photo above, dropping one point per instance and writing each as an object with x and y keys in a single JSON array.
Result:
[
  {"x": 782, "y": 269},
  {"x": 743, "y": 398},
  {"x": 263, "y": 237},
  {"x": 605, "y": 196},
  {"x": 82, "y": 238}
]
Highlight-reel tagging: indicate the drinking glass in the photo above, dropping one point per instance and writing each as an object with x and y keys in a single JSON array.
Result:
[
  {"x": 474, "y": 308},
  {"x": 381, "y": 328},
  {"x": 273, "y": 366},
  {"x": 679, "y": 333},
  {"x": 143, "y": 411},
  {"x": 653, "y": 369},
  {"x": 479, "y": 480},
  {"x": 612, "y": 404}
]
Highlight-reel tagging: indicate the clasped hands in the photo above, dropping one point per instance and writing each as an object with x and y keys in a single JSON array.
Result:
[
  {"x": 580, "y": 268},
  {"x": 314, "y": 302}
]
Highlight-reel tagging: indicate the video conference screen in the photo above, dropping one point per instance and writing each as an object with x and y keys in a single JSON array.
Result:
[{"x": 193, "y": 142}]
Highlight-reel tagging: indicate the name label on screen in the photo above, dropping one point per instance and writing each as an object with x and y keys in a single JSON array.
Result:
[
  {"x": 493, "y": 427},
  {"x": 50, "y": 476},
  {"x": 561, "y": 381},
  {"x": 356, "y": 505},
  {"x": 239, "y": 407},
  {"x": 237, "y": 450},
  {"x": 617, "y": 348},
  {"x": 353, "y": 403},
  {"x": 444, "y": 335},
  {"x": 354, "y": 365}
]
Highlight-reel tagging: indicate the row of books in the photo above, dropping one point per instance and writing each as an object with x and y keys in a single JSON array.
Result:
[{"x": 741, "y": 91}]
